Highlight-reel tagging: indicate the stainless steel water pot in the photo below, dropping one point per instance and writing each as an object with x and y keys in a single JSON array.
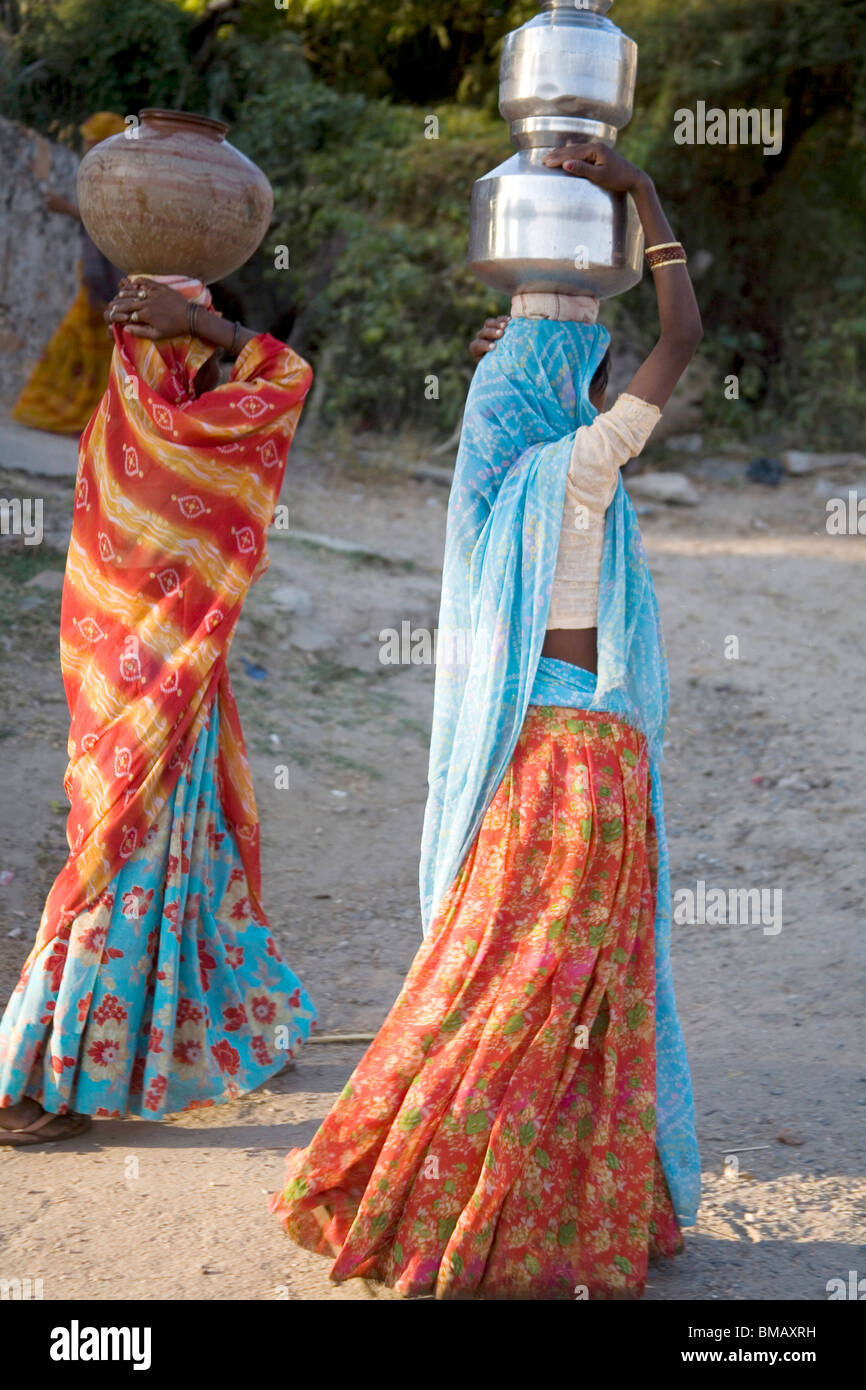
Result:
[{"x": 568, "y": 74}]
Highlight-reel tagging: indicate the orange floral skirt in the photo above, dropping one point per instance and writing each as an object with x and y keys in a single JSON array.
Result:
[{"x": 498, "y": 1137}]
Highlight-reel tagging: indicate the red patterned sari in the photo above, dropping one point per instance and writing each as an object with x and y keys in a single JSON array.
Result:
[{"x": 173, "y": 499}]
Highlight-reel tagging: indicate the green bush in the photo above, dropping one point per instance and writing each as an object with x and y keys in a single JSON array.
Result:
[
  {"x": 374, "y": 216},
  {"x": 331, "y": 98},
  {"x": 60, "y": 62},
  {"x": 784, "y": 298}
]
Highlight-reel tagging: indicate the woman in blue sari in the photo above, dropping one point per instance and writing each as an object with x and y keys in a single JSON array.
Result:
[{"x": 522, "y": 1126}]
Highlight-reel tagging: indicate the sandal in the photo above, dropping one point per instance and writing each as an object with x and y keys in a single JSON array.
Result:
[{"x": 39, "y": 1131}]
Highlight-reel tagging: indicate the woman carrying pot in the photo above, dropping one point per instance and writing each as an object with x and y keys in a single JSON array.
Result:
[
  {"x": 154, "y": 984},
  {"x": 522, "y": 1126}
]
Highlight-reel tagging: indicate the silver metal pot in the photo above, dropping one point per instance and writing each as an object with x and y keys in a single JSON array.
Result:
[{"x": 566, "y": 75}]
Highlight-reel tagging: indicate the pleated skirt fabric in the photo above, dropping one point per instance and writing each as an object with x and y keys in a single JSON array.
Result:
[{"x": 498, "y": 1138}]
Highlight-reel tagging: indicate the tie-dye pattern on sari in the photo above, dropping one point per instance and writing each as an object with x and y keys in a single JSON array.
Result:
[{"x": 154, "y": 983}]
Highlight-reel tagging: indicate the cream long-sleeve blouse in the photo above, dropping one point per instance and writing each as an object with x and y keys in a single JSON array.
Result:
[{"x": 599, "y": 451}]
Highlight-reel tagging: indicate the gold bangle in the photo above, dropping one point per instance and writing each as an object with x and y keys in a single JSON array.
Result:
[{"x": 670, "y": 253}]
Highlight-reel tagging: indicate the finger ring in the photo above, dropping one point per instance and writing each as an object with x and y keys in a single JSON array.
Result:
[
  {"x": 133, "y": 318},
  {"x": 142, "y": 294}
]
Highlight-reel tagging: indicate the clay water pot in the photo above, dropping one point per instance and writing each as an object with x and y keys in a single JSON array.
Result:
[{"x": 171, "y": 196}]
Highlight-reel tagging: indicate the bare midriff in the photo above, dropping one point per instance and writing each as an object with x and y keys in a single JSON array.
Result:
[{"x": 575, "y": 645}]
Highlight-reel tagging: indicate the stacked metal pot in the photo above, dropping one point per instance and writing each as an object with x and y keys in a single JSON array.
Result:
[{"x": 567, "y": 75}]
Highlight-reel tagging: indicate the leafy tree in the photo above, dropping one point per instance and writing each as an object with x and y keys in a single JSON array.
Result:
[
  {"x": 785, "y": 296},
  {"x": 372, "y": 277},
  {"x": 60, "y": 62},
  {"x": 331, "y": 97},
  {"x": 411, "y": 50}
]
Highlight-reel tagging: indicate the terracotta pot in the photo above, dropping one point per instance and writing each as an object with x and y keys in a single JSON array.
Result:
[{"x": 174, "y": 198}]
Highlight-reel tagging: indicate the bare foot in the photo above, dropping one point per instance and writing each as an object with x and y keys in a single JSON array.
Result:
[
  {"x": 20, "y": 1115},
  {"x": 45, "y": 1129}
]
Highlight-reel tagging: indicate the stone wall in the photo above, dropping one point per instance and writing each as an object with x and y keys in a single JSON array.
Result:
[{"x": 39, "y": 250}]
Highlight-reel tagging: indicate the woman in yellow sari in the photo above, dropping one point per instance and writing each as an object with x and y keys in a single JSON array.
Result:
[{"x": 70, "y": 377}]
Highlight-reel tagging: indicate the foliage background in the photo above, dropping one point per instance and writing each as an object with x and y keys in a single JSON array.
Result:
[{"x": 331, "y": 98}]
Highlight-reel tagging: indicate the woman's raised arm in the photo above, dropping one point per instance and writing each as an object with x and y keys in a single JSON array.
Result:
[{"x": 680, "y": 329}]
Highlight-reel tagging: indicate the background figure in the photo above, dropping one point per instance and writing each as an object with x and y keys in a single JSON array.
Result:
[{"x": 71, "y": 375}]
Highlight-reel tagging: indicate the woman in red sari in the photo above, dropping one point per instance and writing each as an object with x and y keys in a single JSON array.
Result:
[{"x": 154, "y": 984}]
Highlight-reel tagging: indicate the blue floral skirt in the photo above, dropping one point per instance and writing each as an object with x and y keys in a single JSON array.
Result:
[{"x": 169, "y": 993}]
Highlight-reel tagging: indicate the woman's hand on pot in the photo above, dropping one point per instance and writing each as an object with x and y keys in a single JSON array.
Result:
[
  {"x": 597, "y": 163},
  {"x": 147, "y": 309},
  {"x": 487, "y": 337}
]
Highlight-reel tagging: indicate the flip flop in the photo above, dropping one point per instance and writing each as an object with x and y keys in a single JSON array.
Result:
[{"x": 71, "y": 1126}]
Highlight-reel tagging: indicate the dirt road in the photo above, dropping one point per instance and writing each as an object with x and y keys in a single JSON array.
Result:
[{"x": 764, "y": 790}]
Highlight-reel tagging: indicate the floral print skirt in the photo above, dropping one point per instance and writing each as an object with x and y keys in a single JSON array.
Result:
[
  {"x": 167, "y": 993},
  {"x": 498, "y": 1138}
]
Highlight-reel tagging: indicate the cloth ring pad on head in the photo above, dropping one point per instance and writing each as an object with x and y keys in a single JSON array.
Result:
[{"x": 565, "y": 308}]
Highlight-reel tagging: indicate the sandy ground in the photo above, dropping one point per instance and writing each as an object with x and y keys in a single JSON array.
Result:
[{"x": 764, "y": 789}]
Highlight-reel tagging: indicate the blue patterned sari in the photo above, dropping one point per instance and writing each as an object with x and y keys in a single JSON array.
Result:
[{"x": 170, "y": 993}]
